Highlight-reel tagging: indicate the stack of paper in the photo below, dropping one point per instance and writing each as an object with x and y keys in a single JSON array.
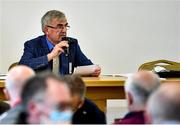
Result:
[{"x": 85, "y": 70}]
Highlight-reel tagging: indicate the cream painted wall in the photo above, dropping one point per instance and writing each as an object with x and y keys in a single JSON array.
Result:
[
  {"x": 0, "y": 40},
  {"x": 117, "y": 34}
]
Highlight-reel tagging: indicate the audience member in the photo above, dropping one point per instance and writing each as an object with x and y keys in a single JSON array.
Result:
[
  {"x": 85, "y": 111},
  {"x": 164, "y": 105},
  {"x": 138, "y": 88},
  {"x": 47, "y": 100},
  {"x": 15, "y": 81}
]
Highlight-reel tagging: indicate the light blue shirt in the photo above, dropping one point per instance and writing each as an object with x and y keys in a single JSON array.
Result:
[{"x": 50, "y": 45}]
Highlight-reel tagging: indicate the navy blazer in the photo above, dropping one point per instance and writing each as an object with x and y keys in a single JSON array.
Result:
[
  {"x": 89, "y": 113},
  {"x": 36, "y": 50}
]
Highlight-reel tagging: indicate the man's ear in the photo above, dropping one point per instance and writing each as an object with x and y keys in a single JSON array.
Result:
[
  {"x": 32, "y": 108},
  {"x": 129, "y": 98},
  {"x": 45, "y": 30},
  {"x": 7, "y": 95},
  {"x": 81, "y": 104}
]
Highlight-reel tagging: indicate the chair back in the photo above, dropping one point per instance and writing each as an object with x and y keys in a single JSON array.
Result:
[{"x": 168, "y": 65}]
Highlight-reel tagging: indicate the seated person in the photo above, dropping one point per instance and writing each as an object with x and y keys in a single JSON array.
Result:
[
  {"x": 138, "y": 88},
  {"x": 85, "y": 111},
  {"x": 164, "y": 105},
  {"x": 15, "y": 81},
  {"x": 46, "y": 100},
  {"x": 47, "y": 52}
]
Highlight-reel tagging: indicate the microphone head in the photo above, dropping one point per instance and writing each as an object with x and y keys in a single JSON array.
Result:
[{"x": 65, "y": 39}]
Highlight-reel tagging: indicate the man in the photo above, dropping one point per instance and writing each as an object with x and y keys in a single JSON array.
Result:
[
  {"x": 46, "y": 100},
  {"x": 15, "y": 81},
  {"x": 85, "y": 111},
  {"x": 138, "y": 88},
  {"x": 47, "y": 52},
  {"x": 164, "y": 105}
]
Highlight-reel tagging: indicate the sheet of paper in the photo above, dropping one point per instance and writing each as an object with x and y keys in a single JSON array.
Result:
[
  {"x": 2, "y": 76},
  {"x": 85, "y": 70},
  {"x": 118, "y": 75}
]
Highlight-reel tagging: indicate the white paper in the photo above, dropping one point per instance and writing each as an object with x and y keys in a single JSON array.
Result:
[
  {"x": 2, "y": 76},
  {"x": 118, "y": 75},
  {"x": 85, "y": 70}
]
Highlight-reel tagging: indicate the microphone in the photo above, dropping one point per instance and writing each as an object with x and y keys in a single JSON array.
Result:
[
  {"x": 66, "y": 49},
  {"x": 67, "y": 52}
]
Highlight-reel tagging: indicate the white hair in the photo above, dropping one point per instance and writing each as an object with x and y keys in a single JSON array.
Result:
[
  {"x": 16, "y": 78},
  {"x": 47, "y": 18},
  {"x": 164, "y": 108},
  {"x": 139, "y": 88}
]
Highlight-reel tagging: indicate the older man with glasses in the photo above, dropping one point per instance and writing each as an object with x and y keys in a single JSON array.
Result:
[{"x": 54, "y": 50}]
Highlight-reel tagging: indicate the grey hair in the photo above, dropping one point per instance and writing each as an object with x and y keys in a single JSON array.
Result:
[
  {"x": 162, "y": 108},
  {"x": 140, "y": 92},
  {"x": 47, "y": 18},
  {"x": 76, "y": 85}
]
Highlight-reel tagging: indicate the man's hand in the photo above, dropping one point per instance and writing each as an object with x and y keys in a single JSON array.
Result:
[
  {"x": 57, "y": 50},
  {"x": 97, "y": 71}
]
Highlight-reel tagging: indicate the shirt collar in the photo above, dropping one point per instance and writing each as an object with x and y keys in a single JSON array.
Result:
[{"x": 50, "y": 45}]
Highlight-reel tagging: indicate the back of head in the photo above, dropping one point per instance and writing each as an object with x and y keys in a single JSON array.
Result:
[
  {"x": 15, "y": 80},
  {"x": 140, "y": 85},
  {"x": 164, "y": 104},
  {"x": 76, "y": 84}
]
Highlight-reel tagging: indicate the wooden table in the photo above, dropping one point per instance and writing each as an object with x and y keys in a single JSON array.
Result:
[{"x": 99, "y": 89}]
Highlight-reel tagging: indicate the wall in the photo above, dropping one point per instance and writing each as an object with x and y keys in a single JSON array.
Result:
[
  {"x": 0, "y": 39},
  {"x": 117, "y": 34}
]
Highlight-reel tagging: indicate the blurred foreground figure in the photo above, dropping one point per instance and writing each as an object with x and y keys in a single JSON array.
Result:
[
  {"x": 164, "y": 105},
  {"x": 138, "y": 88},
  {"x": 85, "y": 111},
  {"x": 15, "y": 81},
  {"x": 46, "y": 100}
]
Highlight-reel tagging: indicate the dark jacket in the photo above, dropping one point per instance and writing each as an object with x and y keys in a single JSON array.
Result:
[
  {"x": 36, "y": 50},
  {"x": 10, "y": 117},
  {"x": 89, "y": 113}
]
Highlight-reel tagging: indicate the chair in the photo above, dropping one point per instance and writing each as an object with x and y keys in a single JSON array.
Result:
[
  {"x": 13, "y": 65},
  {"x": 168, "y": 65}
]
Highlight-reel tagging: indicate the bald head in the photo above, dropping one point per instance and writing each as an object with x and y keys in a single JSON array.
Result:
[
  {"x": 140, "y": 85},
  {"x": 16, "y": 79},
  {"x": 164, "y": 104}
]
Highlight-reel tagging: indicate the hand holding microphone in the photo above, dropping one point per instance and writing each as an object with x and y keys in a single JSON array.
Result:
[
  {"x": 66, "y": 49},
  {"x": 57, "y": 50}
]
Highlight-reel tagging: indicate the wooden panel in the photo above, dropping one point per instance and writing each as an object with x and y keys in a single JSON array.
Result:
[
  {"x": 105, "y": 92},
  {"x": 2, "y": 95},
  {"x": 99, "y": 95}
]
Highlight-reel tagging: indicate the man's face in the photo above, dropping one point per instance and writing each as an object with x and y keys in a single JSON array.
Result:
[
  {"x": 56, "y": 30},
  {"x": 57, "y": 106}
]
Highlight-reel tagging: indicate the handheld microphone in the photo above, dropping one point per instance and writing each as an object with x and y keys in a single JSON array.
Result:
[
  {"x": 67, "y": 53},
  {"x": 66, "y": 49}
]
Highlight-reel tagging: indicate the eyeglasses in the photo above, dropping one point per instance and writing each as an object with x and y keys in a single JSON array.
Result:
[{"x": 59, "y": 26}]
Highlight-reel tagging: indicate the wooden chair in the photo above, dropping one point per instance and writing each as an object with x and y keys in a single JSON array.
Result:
[
  {"x": 168, "y": 65},
  {"x": 13, "y": 65}
]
